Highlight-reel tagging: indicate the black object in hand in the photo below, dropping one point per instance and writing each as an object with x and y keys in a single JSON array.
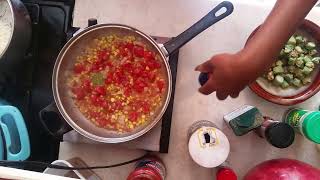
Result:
[{"x": 203, "y": 78}]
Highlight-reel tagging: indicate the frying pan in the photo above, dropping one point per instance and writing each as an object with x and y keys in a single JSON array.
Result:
[{"x": 76, "y": 45}]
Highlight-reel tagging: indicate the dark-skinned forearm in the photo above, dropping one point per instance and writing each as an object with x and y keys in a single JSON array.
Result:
[{"x": 264, "y": 47}]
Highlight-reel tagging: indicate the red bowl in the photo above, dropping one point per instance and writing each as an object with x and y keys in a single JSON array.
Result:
[{"x": 312, "y": 30}]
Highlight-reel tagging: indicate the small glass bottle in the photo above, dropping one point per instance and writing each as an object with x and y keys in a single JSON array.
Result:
[{"x": 278, "y": 134}]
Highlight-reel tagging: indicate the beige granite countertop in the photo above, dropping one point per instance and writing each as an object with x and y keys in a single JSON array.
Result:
[{"x": 169, "y": 18}]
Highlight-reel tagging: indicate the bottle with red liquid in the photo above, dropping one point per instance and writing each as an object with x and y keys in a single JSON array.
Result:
[{"x": 148, "y": 168}]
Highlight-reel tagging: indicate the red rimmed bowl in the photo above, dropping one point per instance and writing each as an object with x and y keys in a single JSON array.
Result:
[{"x": 311, "y": 31}]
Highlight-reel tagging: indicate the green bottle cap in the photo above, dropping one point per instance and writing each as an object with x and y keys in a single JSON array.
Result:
[{"x": 311, "y": 127}]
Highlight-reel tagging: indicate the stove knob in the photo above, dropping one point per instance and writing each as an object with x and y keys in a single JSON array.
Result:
[{"x": 92, "y": 22}]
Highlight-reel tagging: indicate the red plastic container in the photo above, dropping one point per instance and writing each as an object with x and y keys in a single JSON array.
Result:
[{"x": 225, "y": 173}]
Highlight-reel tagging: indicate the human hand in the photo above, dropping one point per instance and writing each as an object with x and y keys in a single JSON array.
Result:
[{"x": 228, "y": 75}]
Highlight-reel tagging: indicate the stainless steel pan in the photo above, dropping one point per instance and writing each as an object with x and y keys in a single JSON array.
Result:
[{"x": 76, "y": 45}]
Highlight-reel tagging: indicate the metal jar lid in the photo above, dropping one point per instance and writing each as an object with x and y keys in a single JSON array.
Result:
[{"x": 280, "y": 135}]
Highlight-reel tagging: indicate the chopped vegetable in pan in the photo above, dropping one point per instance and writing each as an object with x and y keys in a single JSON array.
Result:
[{"x": 118, "y": 83}]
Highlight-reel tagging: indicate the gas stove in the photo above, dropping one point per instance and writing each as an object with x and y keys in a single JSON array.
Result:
[{"x": 29, "y": 87}]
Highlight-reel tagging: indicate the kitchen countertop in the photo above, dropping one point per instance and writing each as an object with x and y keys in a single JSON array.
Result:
[{"x": 169, "y": 18}]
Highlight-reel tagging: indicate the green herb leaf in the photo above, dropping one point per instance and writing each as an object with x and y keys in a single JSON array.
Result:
[{"x": 97, "y": 79}]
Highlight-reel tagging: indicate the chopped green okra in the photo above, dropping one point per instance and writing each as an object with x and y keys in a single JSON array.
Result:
[
  {"x": 299, "y": 49},
  {"x": 306, "y": 70},
  {"x": 288, "y": 48},
  {"x": 313, "y": 52},
  {"x": 300, "y": 39},
  {"x": 292, "y": 61},
  {"x": 299, "y": 63},
  {"x": 291, "y": 69},
  {"x": 278, "y": 70},
  {"x": 285, "y": 84},
  {"x": 306, "y": 80},
  {"x": 288, "y": 77},
  {"x": 309, "y": 64},
  {"x": 310, "y": 45},
  {"x": 298, "y": 73},
  {"x": 278, "y": 80},
  {"x": 292, "y": 41},
  {"x": 294, "y": 54},
  {"x": 279, "y": 63},
  {"x": 316, "y": 60},
  {"x": 307, "y": 59},
  {"x": 282, "y": 53},
  {"x": 295, "y": 64},
  {"x": 296, "y": 82}
]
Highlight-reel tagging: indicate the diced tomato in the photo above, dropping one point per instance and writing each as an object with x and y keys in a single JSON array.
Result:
[
  {"x": 127, "y": 92},
  {"x": 153, "y": 64},
  {"x": 138, "y": 51},
  {"x": 109, "y": 64},
  {"x": 95, "y": 67},
  {"x": 100, "y": 90},
  {"x": 139, "y": 85},
  {"x": 145, "y": 74},
  {"x": 109, "y": 108},
  {"x": 127, "y": 66},
  {"x": 98, "y": 66},
  {"x": 109, "y": 78},
  {"x": 123, "y": 52},
  {"x": 94, "y": 114},
  {"x": 105, "y": 104},
  {"x": 118, "y": 105},
  {"x": 160, "y": 85},
  {"x": 94, "y": 99},
  {"x": 146, "y": 107},
  {"x": 79, "y": 68},
  {"x": 138, "y": 88},
  {"x": 102, "y": 122},
  {"x": 103, "y": 55},
  {"x": 100, "y": 100},
  {"x": 151, "y": 76},
  {"x": 148, "y": 55},
  {"x": 86, "y": 85},
  {"x": 78, "y": 92},
  {"x": 137, "y": 71},
  {"x": 129, "y": 46},
  {"x": 133, "y": 116}
]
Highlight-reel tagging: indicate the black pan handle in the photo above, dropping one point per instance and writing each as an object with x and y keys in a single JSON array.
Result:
[
  {"x": 53, "y": 122},
  {"x": 208, "y": 20}
]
